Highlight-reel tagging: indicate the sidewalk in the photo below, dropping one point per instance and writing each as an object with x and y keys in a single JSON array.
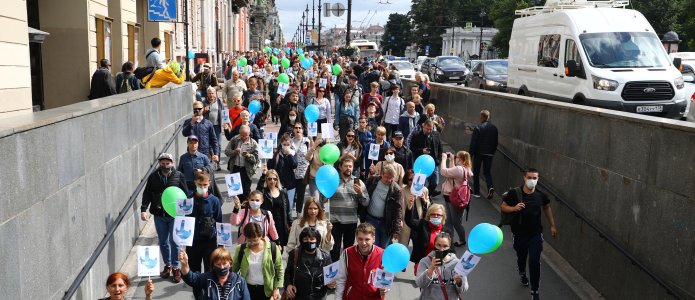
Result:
[{"x": 495, "y": 277}]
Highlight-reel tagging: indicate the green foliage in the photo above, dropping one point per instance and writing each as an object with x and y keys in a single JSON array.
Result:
[
  {"x": 396, "y": 34},
  {"x": 503, "y": 15}
]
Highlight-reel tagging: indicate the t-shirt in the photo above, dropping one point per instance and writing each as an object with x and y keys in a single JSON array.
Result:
[
  {"x": 255, "y": 274},
  {"x": 530, "y": 217},
  {"x": 378, "y": 200}
]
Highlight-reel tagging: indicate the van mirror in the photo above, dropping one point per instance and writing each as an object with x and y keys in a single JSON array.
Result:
[
  {"x": 688, "y": 78},
  {"x": 571, "y": 69},
  {"x": 677, "y": 63}
]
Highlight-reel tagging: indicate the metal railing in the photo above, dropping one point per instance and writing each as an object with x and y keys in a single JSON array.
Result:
[
  {"x": 114, "y": 226},
  {"x": 669, "y": 289}
]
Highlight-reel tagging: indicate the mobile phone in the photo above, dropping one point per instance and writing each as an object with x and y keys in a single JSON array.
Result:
[
  {"x": 356, "y": 181},
  {"x": 438, "y": 254}
]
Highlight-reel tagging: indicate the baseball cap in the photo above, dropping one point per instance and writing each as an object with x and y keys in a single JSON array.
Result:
[
  {"x": 192, "y": 137},
  {"x": 166, "y": 156},
  {"x": 206, "y": 65},
  {"x": 397, "y": 134},
  {"x": 353, "y": 77}
]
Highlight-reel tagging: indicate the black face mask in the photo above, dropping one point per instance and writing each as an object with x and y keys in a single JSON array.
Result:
[
  {"x": 309, "y": 246},
  {"x": 219, "y": 272},
  {"x": 165, "y": 169}
]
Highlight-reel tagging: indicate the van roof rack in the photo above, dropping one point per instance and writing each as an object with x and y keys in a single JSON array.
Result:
[{"x": 555, "y": 5}]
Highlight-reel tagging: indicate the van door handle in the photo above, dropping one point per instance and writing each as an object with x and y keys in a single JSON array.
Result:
[{"x": 555, "y": 74}]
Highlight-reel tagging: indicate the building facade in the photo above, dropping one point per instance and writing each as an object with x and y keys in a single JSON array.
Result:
[{"x": 465, "y": 42}]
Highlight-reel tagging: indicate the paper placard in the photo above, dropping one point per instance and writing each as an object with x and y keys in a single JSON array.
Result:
[
  {"x": 234, "y": 186},
  {"x": 312, "y": 129},
  {"x": 311, "y": 53},
  {"x": 310, "y": 74},
  {"x": 467, "y": 263},
  {"x": 265, "y": 148},
  {"x": 417, "y": 188},
  {"x": 184, "y": 206},
  {"x": 148, "y": 260},
  {"x": 330, "y": 272},
  {"x": 282, "y": 88},
  {"x": 249, "y": 71},
  {"x": 184, "y": 227},
  {"x": 373, "y": 152},
  {"x": 276, "y": 68},
  {"x": 272, "y": 136},
  {"x": 327, "y": 131},
  {"x": 224, "y": 234},
  {"x": 289, "y": 70},
  {"x": 323, "y": 82},
  {"x": 382, "y": 279},
  {"x": 334, "y": 80},
  {"x": 263, "y": 72},
  {"x": 240, "y": 69},
  {"x": 225, "y": 116}
]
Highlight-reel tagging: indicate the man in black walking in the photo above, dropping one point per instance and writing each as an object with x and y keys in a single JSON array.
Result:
[{"x": 483, "y": 147}]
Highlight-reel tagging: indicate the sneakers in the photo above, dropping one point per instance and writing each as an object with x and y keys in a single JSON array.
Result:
[
  {"x": 177, "y": 275},
  {"x": 490, "y": 193},
  {"x": 524, "y": 279},
  {"x": 534, "y": 295},
  {"x": 166, "y": 272},
  {"x": 475, "y": 195}
]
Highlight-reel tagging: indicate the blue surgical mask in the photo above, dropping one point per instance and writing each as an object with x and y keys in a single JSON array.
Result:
[{"x": 436, "y": 221}]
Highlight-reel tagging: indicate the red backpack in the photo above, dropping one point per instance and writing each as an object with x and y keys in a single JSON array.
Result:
[{"x": 460, "y": 196}]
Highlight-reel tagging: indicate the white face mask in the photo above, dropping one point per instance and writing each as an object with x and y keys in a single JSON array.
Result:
[
  {"x": 531, "y": 183},
  {"x": 389, "y": 157},
  {"x": 292, "y": 118},
  {"x": 200, "y": 190},
  {"x": 436, "y": 221},
  {"x": 255, "y": 204}
]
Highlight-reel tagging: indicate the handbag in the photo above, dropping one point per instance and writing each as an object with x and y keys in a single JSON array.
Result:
[{"x": 294, "y": 276}]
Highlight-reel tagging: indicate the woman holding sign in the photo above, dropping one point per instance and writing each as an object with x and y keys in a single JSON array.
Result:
[
  {"x": 324, "y": 106},
  {"x": 424, "y": 229},
  {"x": 305, "y": 266},
  {"x": 312, "y": 217},
  {"x": 436, "y": 277},
  {"x": 220, "y": 283},
  {"x": 421, "y": 203},
  {"x": 117, "y": 284}
]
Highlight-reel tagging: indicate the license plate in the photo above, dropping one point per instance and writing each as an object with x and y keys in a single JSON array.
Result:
[
  {"x": 648, "y": 109},
  {"x": 455, "y": 77}
]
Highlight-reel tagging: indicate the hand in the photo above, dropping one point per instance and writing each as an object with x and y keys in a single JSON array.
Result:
[
  {"x": 215, "y": 158},
  {"x": 237, "y": 203},
  {"x": 396, "y": 235},
  {"x": 329, "y": 227},
  {"x": 237, "y": 150},
  {"x": 519, "y": 206},
  {"x": 149, "y": 288},
  {"x": 276, "y": 294},
  {"x": 264, "y": 169},
  {"x": 457, "y": 279},
  {"x": 553, "y": 231},
  {"x": 244, "y": 154},
  {"x": 144, "y": 216},
  {"x": 383, "y": 292},
  {"x": 290, "y": 290},
  {"x": 331, "y": 285},
  {"x": 226, "y": 126},
  {"x": 436, "y": 262},
  {"x": 358, "y": 188},
  {"x": 426, "y": 151},
  {"x": 183, "y": 257},
  {"x": 194, "y": 120},
  {"x": 372, "y": 170},
  {"x": 206, "y": 109}
]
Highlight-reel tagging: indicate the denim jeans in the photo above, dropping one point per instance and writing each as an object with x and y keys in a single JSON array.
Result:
[
  {"x": 218, "y": 133},
  {"x": 454, "y": 221},
  {"x": 433, "y": 180},
  {"x": 529, "y": 247},
  {"x": 170, "y": 251},
  {"x": 486, "y": 162},
  {"x": 382, "y": 238},
  {"x": 290, "y": 197}
]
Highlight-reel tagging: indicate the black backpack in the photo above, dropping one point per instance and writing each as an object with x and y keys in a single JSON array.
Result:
[
  {"x": 511, "y": 218},
  {"x": 141, "y": 72}
]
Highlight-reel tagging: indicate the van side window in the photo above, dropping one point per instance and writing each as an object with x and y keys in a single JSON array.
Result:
[
  {"x": 549, "y": 50},
  {"x": 572, "y": 53}
]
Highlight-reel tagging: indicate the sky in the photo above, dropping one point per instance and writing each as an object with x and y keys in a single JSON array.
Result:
[{"x": 364, "y": 12}]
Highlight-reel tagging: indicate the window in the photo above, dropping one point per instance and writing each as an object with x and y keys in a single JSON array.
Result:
[
  {"x": 133, "y": 43},
  {"x": 572, "y": 53},
  {"x": 549, "y": 50},
  {"x": 168, "y": 45},
  {"x": 103, "y": 38}
]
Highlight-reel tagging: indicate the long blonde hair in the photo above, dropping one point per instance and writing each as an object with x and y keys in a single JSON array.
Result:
[
  {"x": 465, "y": 157},
  {"x": 278, "y": 184},
  {"x": 305, "y": 213}
]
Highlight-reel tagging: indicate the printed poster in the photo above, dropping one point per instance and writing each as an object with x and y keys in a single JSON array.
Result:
[
  {"x": 334, "y": 80},
  {"x": 282, "y": 88},
  {"x": 276, "y": 68},
  {"x": 240, "y": 69},
  {"x": 289, "y": 71},
  {"x": 184, "y": 206},
  {"x": 382, "y": 279},
  {"x": 467, "y": 263},
  {"x": 148, "y": 260},
  {"x": 417, "y": 188},
  {"x": 233, "y": 184},
  {"x": 330, "y": 272},
  {"x": 310, "y": 74},
  {"x": 224, "y": 234},
  {"x": 373, "y": 152},
  {"x": 184, "y": 227},
  {"x": 225, "y": 116},
  {"x": 265, "y": 148},
  {"x": 263, "y": 72},
  {"x": 327, "y": 131},
  {"x": 272, "y": 136},
  {"x": 312, "y": 129},
  {"x": 323, "y": 82}
]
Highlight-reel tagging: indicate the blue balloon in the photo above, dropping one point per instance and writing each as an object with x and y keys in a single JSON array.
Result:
[
  {"x": 311, "y": 61},
  {"x": 311, "y": 113},
  {"x": 288, "y": 50},
  {"x": 254, "y": 106},
  {"x": 395, "y": 257},
  {"x": 424, "y": 164},
  {"x": 191, "y": 55},
  {"x": 483, "y": 238},
  {"x": 306, "y": 63},
  {"x": 327, "y": 180},
  {"x": 300, "y": 51}
]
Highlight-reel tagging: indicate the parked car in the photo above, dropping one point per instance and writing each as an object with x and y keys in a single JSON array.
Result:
[
  {"x": 470, "y": 65},
  {"x": 405, "y": 68},
  {"x": 688, "y": 71},
  {"x": 447, "y": 69},
  {"x": 490, "y": 75},
  {"x": 426, "y": 65},
  {"x": 419, "y": 61}
]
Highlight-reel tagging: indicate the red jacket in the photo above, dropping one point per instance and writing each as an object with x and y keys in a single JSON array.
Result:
[{"x": 359, "y": 271}]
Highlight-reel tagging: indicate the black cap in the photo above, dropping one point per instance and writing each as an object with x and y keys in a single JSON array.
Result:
[{"x": 397, "y": 134}]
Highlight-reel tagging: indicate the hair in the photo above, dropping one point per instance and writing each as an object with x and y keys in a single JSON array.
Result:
[
  {"x": 355, "y": 140},
  {"x": 380, "y": 129},
  {"x": 430, "y": 105},
  {"x": 286, "y": 137},
  {"x": 251, "y": 79},
  {"x": 310, "y": 232},
  {"x": 220, "y": 254},
  {"x": 443, "y": 235},
  {"x": 116, "y": 276},
  {"x": 374, "y": 84},
  {"x": 104, "y": 63},
  {"x": 201, "y": 174},
  {"x": 434, "y": 207},
  {"x": 155, "y": 42},
  {"x": 345, "y": 159},
  {"x": 388, "y": 169},
  {"x": 127, "y": 67},
  {"x": 278, "y": 184},
  {"x": 252, "y": 230},
  {"x": 406, "y": 178},
  {"x": 294, "y": 93},
  {"x": 531, "y": 170},
  {"x": 428, "y": 122},
  {"x": 363, "y": 117},
  {"x": 246, "y": 112},
  {"x": 254, "y": 193},
  {"x": 465, "y": 157},
  {"x": 485, "y": 114},
  {"x": 365, "y": 228},
  {"x": 305, "y": 212}
]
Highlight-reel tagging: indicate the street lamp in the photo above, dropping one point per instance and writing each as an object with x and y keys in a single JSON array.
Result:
[
  {"x": 482, "y": 15},
  {"x": 306, "y": 24}
]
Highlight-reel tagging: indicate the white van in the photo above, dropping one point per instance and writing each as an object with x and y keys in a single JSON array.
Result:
[{"x": 595, "y": 54}]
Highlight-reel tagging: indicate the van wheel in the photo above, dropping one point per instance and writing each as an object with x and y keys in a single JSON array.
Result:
[
  {"x": 578, "y": 100},
  {"x": 482, "y": 87},
  {"x": 522, "y": 93}
]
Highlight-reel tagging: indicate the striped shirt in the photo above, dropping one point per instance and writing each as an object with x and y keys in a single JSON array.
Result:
[{"x": 343, "y": 204}]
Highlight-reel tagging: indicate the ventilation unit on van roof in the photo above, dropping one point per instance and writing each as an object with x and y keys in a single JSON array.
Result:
[{"x": 555, "y": 5}]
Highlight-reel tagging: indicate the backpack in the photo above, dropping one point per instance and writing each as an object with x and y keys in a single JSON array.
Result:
[
  {"x": 125, "y": 85},
  {"x": 460, "y": 195},
  {"x": 510, "y": 218},
  {"x": 206, "y": 226},
  {"x": 141, "y": 72},
  {"x": 242, "y": 247},
  {"x": 246, "y": 214}
]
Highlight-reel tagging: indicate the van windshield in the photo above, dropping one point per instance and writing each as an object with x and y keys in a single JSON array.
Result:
[{"x": 624, "y": 50}]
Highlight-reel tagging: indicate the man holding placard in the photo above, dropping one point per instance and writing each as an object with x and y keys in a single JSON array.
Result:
[
  {"x": 165, "y": 176},
  {"x": 242, "y": 151},
  {"x": 358, "y": 263}
]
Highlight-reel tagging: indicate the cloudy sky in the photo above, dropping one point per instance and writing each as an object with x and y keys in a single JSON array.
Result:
[{"x": 363, "y": 12}]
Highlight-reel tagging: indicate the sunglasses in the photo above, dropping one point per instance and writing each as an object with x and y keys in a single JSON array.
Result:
[
  {"x": 197, "y": 109},
  {"x": 350, "y": 135},
  {"x": 322, "y": 91},
  {"x": 272, "y": 179}
]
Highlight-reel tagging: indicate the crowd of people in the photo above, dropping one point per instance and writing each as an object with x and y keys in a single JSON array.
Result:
[{"x": 372, "y": 207}]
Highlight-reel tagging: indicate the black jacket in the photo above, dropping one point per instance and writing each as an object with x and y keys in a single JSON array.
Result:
[
  {"x": 420, "y": 141},
  {"x": 102, "y": 84},
  {"x": 280, "y": 211},
  {"x": 419, "y": 232},
  {"x": 484, "y": 139},
  {"x": 309, "y": 274},
  {"x": 156, "y": 184},
  {"x": 393, "y": 210},
  {"x": 404, "y": 157},
  {"x": 284, "y": 165}
]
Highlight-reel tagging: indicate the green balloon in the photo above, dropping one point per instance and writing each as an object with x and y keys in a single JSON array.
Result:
[
  {"x": 169, "y": 197},
  {"x": 242, "y": 61},
  {"x": 283, "y": 78},
  {"x": 267, "y": 49},
  {"x": 274, "y": 60},
  {"x": 285, "y": 62},
  {"x": 337, "y": 69},
  {"x": 329, "y": 154},
  {"x": 301, "y": 56},
  {"x": 500, "y": 239}
]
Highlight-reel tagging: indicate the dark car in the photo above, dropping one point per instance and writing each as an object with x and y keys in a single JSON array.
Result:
[
  {"x": 470, "y": 65},
  {"x": 426, "y": 65},
  {"x": 490, "y": 75},
  {"x": 447, "y": 69}
]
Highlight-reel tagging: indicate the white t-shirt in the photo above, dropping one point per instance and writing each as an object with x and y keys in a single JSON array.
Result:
[
  {"x": 255, "y": 275},
  {"x": 392, "y": 109}
]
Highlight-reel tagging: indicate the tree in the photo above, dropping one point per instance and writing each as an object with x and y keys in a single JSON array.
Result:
[
  {"x": 396, "y": 34},
  {"x": 502, "y": 14}
]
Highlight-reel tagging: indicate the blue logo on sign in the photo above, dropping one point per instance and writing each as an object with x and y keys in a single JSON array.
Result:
[{"x": 161, "y": 10}]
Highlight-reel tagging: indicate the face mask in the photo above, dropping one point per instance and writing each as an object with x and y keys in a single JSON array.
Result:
[
  {"x": 531, "y": 183},
  {"x": 165, "y": 169},
  {"x": 309, "y": 246},
  {"x": 200, "y": 190},
  {"x": 255, "y": 204},
  {"x": 436, "y": 221},
  {"x": 389, "y": 157},
  {"x": 220, "y": 271},
  {"x": 292, "y": 118}
]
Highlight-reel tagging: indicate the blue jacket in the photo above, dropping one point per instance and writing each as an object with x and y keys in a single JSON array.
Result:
[
  {"x": 352, "y": 111},
  {"x": 208, "y": 284},
  {"x": 188, "y": 162},
  {"x": 208, "y": 206},
  {"x": 207, "y": 139},
  {"x": 407, "y": 123}
]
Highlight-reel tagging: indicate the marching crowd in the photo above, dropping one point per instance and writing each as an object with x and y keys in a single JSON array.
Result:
[{"x": 372, "y": 207}]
